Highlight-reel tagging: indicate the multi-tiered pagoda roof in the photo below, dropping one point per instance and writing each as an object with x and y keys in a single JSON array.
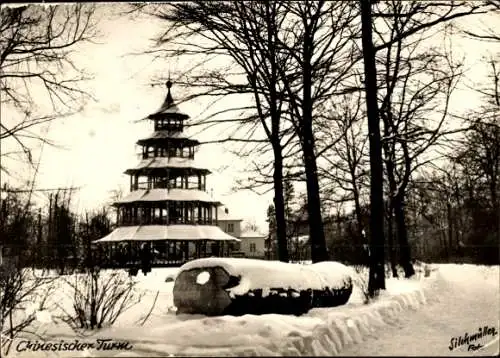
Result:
[{"x": 168, "y": 200}]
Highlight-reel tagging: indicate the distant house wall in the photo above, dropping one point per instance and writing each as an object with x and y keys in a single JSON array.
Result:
[
  {"x": 232, "y": 227},
  {"x": 253, "y": 246}
]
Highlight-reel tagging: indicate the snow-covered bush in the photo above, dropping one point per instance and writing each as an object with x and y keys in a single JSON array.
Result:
[
  {"x": 98, "y": 298},
  {"x": 360, "y": 280},
  {"x": 427, "y": 271},
  {"x": 22, "y": 295},
  {"x": 236, "y": 286}
]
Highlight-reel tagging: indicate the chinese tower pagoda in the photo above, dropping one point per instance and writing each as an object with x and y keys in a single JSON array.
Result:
[{"x": 168, "y": 206}]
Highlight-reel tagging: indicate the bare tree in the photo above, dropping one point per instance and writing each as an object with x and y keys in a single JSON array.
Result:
[
  {"x": 346, "y": 163},
  {"x": 487, "y": 33},
  {"x": 416, "y": 82},
  {"x": 36, "y": 63},
  {"x": 479, "y": 158},
  {"x": 376, "y": 280},
  {"x": 19, "y": 286},
  {"x": 323, "y": 52}
]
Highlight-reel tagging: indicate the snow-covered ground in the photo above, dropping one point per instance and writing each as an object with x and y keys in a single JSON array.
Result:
[{"x": 419, "y": 316}]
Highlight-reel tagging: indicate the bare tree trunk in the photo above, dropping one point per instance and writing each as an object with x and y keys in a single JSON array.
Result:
[
  {"x": 316, "y": 229},
  {"x": 39, "y": 240},
  {"x": 357, "y": 210},
  {"x": 279, "y": 206},
  {"x": 50, "y": 235},
  {"x": 404, "y": 246},
  {"x": 279, "y": 198},
  {"x": 450, "y": 225},
  {"x": 390, "y": 241},
  {"x": 389, "y": 165},
  {"x": 377, "y": 274},
  {"x": 442, "y": 240}
]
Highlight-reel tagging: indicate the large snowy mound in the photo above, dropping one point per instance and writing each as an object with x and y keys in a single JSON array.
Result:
[
  {"x": 267, "y": 275},
  {"x": 235, "y": 286}
]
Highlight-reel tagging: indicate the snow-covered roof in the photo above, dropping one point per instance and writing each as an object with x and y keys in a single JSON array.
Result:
[
  {"x": 168, "y": 106},
  {"x": 169, "y": 109},
  {"x": 168, "y": 194},
  {"x": 252, "y": 234},
  {"x": 165, "y": 162},
  {"x": 167, "y": 232},
  {"x": 167, "y": 134},
  {"x": 223, "y": 215}
]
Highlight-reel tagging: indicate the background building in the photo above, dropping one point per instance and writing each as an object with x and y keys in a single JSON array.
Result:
[{"x": 252, "y": 242}]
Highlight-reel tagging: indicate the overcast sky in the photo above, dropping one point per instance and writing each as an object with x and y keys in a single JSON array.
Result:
[{"x": 100, "y": 141}]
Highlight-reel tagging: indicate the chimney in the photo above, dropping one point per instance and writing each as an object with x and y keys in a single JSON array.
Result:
[{"x": 226, "y": 210}]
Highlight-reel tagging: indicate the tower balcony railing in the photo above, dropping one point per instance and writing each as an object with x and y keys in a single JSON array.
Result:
[
  {"x": 166, "y": 155},
  {"x": 191, "y": 185},
  {"x": 166, "y": 221},
  {"x": 170, "y": 127}
]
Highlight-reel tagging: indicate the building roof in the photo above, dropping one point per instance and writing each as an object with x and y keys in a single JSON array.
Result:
[
  {"x": 174, "y": 194},
  {"x": 252, "y": 234},
  {"x": 163, "y": 134},
  {"x": 168, "y": 107},
  {"x": 167, "y": 162},
  {"x": 167, "y": 232},
  {"x": 223, "y": 215}
]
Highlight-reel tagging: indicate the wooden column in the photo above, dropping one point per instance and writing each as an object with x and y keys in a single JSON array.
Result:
[
  {"x": 166, "y": 213},
  {"x": 174, "y": 211},
  {"x": 186, "y": 250}
]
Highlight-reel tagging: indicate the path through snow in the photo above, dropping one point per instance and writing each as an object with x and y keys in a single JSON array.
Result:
[{"x": 467, "y": 304}]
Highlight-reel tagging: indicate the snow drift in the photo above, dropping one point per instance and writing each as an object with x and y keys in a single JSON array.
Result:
[{"x": 322, "y": 331}]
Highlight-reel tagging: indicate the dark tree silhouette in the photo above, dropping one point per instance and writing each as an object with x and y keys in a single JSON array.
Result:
[{"x": 377, "y": 275}]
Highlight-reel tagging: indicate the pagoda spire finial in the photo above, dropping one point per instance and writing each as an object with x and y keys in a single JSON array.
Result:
[{"x": 169, "y": 100}]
